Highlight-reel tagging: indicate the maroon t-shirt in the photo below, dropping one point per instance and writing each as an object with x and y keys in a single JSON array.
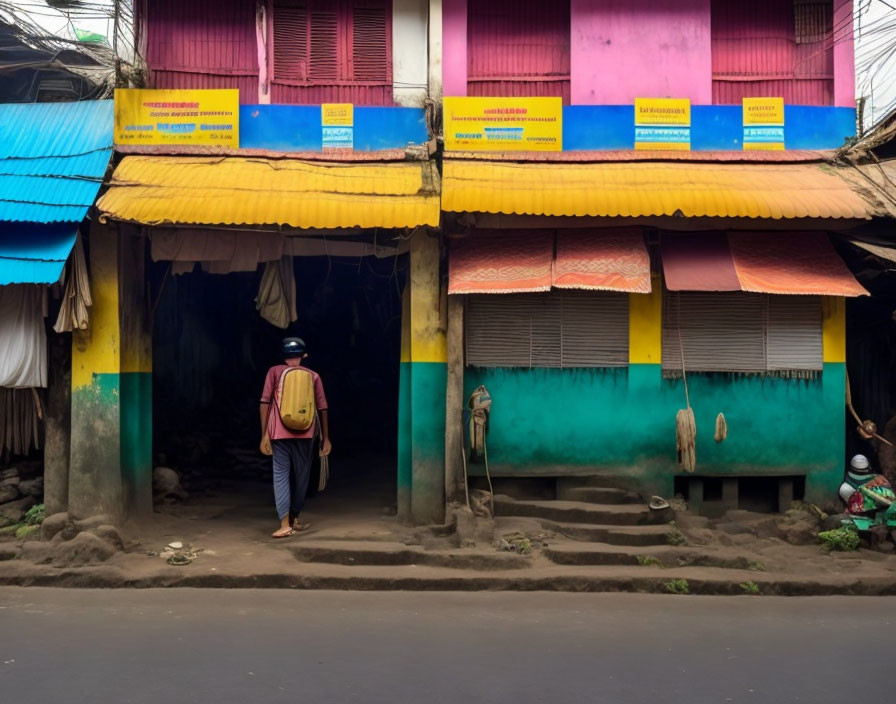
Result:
[{"x": 276, "y": 429}]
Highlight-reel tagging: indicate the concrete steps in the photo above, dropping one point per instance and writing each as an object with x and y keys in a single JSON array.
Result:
[
  {"x": 599, "y": 495},
  {"x": 649, "y": 557},
  {"x": 574, "y": 511},
  {"x": 612, "y": 535},
  {"x": 369, "y": 554}
]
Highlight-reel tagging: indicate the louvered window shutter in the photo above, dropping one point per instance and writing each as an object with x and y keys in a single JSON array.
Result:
[
  {"x": 812, "y": 21},
  {"x": 720, "y": 332},
  {"x": 290, "y": 22},
  {"x": 371, "y": 41},
  {"x": 795, "y": 333},
  {"x": 595, "y": 329},
  {"x": 326, "y": 54},
  {"x": 557, "y": 329},
  {"x": 499, "y": 330}
]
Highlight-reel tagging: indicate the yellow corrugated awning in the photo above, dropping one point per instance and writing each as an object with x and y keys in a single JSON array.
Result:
[
  {"x": 645, "y": 189},
  {"x": 153, "y": 190}
]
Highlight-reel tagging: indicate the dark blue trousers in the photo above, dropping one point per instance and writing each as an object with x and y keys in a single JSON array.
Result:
[{"x": 292, "y": 468}]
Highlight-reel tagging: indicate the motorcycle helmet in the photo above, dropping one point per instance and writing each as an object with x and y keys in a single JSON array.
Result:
[
  {"x": 293, "y": 347},
  {"x": 859, "y": 464}
]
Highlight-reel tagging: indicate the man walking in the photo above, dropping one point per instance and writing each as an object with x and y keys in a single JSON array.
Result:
[{"x": 290, "y": 439}]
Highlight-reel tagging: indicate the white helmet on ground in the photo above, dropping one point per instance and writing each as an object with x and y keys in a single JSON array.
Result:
[{"x": 859, "y": 463}]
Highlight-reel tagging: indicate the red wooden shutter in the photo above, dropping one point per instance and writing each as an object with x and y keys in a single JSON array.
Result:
[
  {"x": 371, "y": 41},
  {"x": 325, "y": 55},
  {"x": 290, "y": 40}
]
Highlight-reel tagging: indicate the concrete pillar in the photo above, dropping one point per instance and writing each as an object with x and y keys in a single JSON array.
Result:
[
  {"x": 785, "y": 494},
  {"x": 695, "y": 495},
  {"x": 95, "y": 466},
  {"x": 428, "y": 379},
  {"x": 435, "y": 49},
  {"x": 404, "y": 411},
  {"x": 110, "y": 467},
  {"x": 135, "y": 375},
  {"x": 730, "y": 493},
  {"x": 57, "y": 424},
  {"x": 454, "y": 402}
]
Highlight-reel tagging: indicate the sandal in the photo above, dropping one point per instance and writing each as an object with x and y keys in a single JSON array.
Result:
[
  {"x": 299, "y": 527},
  {"x": 282, "y": 533}
]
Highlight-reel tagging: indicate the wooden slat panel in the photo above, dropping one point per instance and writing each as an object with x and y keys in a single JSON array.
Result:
[
  {"x": 499, "y": 330},
  {"x": 595, "y": 329},
  {"x": 290, "y": 40},
  {"x": 720, "y": 332},
  {"x": 371, "y": 42},
  {"x": 795, "y": 333},
  {"x": 557, "y": 329},
  {"x": 325, "y": 58}
]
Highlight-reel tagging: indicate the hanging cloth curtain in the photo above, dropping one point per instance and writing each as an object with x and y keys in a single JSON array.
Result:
[
  {"x": 276, "y": 300},
  {"x": 23, "y": 344},
  {"x": 76, "y": 297}
]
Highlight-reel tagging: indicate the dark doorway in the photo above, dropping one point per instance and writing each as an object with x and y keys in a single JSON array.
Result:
[{"x": 211, "y": 350}]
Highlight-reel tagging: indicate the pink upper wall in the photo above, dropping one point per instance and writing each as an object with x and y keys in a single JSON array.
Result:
[
  {"x": 844, "y": 55},
  {"x": 454, "y": 47},
  {"x": 627, "y": 49}
]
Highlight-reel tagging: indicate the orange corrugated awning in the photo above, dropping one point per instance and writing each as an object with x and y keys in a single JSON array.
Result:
[
  {"x": 645, "y": 189},
  {"x": 154, "y": 190},
  {"x": 797, "y": 263},
  {"x": 526, "y": 262}
]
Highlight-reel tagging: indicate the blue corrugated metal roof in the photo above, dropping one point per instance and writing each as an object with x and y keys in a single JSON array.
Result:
[
  {"x": 52, "y": 159},
  {"x": 34, "y": 254}
]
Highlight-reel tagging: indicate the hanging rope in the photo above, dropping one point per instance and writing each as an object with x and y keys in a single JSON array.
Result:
[
  {"x": 866, "y": 428},
  {"x": 480, "y": 404},
  {"x": 721, "y": 428},
  {"x": 685, "y": 422}
]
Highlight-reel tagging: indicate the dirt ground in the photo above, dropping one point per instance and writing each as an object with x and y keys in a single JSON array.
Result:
[{"x": 222, "y": 537}]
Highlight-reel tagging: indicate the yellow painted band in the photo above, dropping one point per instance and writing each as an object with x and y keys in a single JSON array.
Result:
[
  {"x": 834, "y": 328},
  {"x": 97, "y": 349},
  {"x": 645, "y": 325},
  {"x": 429, "y": 303},
  {"x": 406, "y": 325}
]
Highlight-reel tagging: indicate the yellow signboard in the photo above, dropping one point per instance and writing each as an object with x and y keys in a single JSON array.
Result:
[
  {"x": 763, "y": 124},
  {"x": 666, "y": 112},
  {"x": 663, "y": 124},
  {"x": 503, "y": 124},
  {"x": 337, "y": 114},
  {"x": 177, "y": 117}
]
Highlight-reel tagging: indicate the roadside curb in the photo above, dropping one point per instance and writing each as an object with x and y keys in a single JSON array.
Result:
[{"x": 80, "y": 579}]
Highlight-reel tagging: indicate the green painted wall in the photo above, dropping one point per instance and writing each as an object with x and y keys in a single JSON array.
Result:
[
  {"x": 95, "y": 485},
  {"x": 561, "y": 422},
  {"x": 428, "y": 380},
  {"x": 404, "y": 441},
  {"x": 136, "y": 440}
]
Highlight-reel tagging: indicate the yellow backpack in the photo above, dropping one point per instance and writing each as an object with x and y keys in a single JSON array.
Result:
[{"x": 295, "y": 393}]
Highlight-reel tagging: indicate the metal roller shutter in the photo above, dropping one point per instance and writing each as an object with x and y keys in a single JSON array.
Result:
[
  {"x": 556, "y": 329},
  {"x": 720, "y": 332},
  {"x": 794, "y": 333},
  {"x": 595, "y": 329}
]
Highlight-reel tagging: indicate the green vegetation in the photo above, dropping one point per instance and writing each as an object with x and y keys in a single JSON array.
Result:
[
  {"x": 755, "y": 566},
  {"x": 844, "y": 539},
  {"x": 649, "y": 561},
  {"x": 675, "y": 538},
  {"x": 750, "y": 588},
  {"x": 26, "y": 530},
  {"x": 677, "y": 586},
  {"x": 35, "y": 515}
]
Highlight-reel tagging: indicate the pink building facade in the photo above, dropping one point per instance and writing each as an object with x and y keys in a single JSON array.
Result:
[{"x": 711, "y": 51}]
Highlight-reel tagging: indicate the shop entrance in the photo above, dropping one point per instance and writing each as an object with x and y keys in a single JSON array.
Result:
[{"x": 211, "y": 350}]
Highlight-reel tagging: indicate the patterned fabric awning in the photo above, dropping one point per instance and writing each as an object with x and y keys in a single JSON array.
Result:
[{"x": 528, "y": 261}]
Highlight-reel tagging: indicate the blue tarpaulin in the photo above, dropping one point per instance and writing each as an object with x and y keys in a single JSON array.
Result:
[
  {"x": 34, "y": 253},
  {"x": 53, "y": 157}
]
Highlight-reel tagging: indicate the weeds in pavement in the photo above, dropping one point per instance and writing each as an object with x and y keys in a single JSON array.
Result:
[
  {"x": 677, "y": 586},
  {"x": 750, "y": 588},
  {"x": 649, "y": 561}
]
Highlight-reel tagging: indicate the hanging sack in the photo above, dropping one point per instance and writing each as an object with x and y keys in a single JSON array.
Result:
[{"x": 295, "y": 395}]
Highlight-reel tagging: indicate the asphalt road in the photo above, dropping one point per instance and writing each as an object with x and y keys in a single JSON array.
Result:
[{"x": 247, "y": 646}]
